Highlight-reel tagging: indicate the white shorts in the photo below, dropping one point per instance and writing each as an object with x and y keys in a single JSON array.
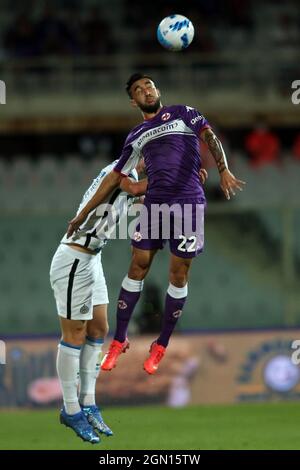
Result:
[{"x": 78, "y": 282}]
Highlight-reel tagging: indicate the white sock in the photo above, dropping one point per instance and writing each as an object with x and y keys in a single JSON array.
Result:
[
  {"x": 177, "y": 292},
  {"x": 67, "y": 365},
  {"x": 131, "y": 285},
  {"x": 90, "y": 359}
]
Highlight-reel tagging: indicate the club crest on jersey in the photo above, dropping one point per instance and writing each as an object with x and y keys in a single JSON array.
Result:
[
  {"x": 137, "y": 237},
  {"x": 122, "y": 305},
  {"x": 165, "y": 116},
  {"x": 84, "y": 309},
  {"x": 177, "y": 314}
]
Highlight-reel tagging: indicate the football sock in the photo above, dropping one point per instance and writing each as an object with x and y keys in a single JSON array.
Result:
[
  {"x": 175, "y": 299},
  {"x": 67, "y": 365},
  {"x": 90, "y": 358},
  {"x": 129, "y": 295}
]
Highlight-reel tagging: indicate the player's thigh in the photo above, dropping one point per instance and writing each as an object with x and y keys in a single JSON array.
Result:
[
  {"x": 97, "y": 327},
  {"x": 72, "y": 277},
  {"x": 147, "y": 236},
  {"x": 146, "y": 243},
  {"x": 100, "y": 294},
  {"x": 141, "y": 261},
  {"x": 187, "y": 238}
]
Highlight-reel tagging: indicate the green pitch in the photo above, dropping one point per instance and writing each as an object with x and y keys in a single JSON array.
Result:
[{"x": 245, "y": 426}]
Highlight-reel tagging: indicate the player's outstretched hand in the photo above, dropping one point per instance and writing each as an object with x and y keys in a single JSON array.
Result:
[
  {"x": 203, "y": 175},
  {"x": 75, "y": 223},
  {"x": 229, "y": 183}
]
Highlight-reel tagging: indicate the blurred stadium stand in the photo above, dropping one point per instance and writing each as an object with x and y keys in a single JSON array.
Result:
[
  {"x": 244, "y": 279},
  {"x": 72, "y": 59},
  {"x": 67, "y": 115}
]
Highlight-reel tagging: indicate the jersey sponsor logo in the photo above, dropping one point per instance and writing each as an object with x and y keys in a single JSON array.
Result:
[
  {"x": 84, "y": 309},
  {"x": 166, "y": 116},
  {"x": 197, "y": 118},
  {"x": 137, "y": 237},
  {"x": 188, "y": 108},
  {"x": 176, "y": 126},
  {"x": 177, "y": 314},
  {"x": 122, "y": 305}
]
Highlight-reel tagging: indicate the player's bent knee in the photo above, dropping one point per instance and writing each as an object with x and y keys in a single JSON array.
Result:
[
  {"x": 141, "y": 258},
  {"x": 74, "y": 332},
  {"x": 137, "y": 273},
  {"x": 98, "y": 332},
  {"x": 178, "y": 283},
  {"x": 178, "y": 279},
  {"x": 74, "y": 340},
  {"x": 139, "y": 268},
  {"x": 140, "y": 263}
]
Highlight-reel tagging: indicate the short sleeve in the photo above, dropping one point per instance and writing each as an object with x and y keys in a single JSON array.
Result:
[
  {"x": 194, "y": 119},
  {"x": 129, "y": 159}
]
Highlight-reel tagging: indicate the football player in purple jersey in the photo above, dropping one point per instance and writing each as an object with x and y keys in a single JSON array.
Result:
[{"x": 168, "y": 140}]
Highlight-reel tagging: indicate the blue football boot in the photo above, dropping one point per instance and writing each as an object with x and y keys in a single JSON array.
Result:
[
  {"x": 95, "y": 419},
  {"x": 80, "y": 425}
]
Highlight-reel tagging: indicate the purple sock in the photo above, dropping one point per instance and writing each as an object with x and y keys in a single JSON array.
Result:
[
  {"x": 173, "y": 310},
  {"x": 126, "y": 303}
]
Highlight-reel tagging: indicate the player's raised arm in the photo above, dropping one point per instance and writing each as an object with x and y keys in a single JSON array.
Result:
[
  {"x": 110, "y": 182},
  {"x": 228, "y": 181}
]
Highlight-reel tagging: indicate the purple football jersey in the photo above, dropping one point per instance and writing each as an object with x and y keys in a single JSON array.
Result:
[{"x": 169, "y": 143}]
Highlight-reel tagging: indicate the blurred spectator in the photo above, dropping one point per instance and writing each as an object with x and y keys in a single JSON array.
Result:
[
  {"x": 19, "y": 40},
  {"x": 53, "y": 35},
  {"x": 262, "y": 145},
  {"x": 96, "y": 34},
  {"x": 296, "y": 147},
  {"x": 286, "y": 31},
  {"x": 239, "y": 13},
  {"x": 180, "y": 388},
  {"x": 203, "y": 40}
]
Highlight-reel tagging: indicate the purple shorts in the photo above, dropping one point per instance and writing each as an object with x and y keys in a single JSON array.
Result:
[{"x": 179, "y": 222}]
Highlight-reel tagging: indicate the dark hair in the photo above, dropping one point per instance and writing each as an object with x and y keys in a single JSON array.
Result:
[{"x": 134, "y": 78}]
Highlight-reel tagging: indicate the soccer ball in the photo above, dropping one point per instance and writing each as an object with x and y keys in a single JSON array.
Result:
[{"x": 175, "y": 32}]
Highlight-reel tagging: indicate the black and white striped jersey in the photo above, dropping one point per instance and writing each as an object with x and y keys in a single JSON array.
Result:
[{"x": 100, "y": 224}]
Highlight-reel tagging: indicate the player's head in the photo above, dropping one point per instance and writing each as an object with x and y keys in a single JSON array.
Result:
[{"x": 143, "y": 93}]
